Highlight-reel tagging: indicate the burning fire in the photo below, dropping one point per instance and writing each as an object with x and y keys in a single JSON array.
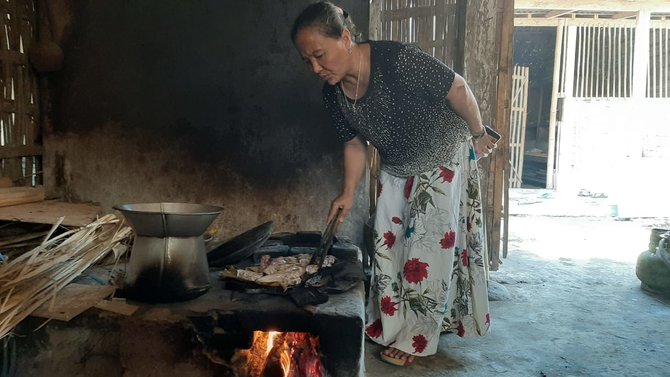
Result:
[{"x": 272, "y": 353}]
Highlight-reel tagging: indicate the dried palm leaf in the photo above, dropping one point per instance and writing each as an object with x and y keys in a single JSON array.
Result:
[{"x": 35, "y": 277}]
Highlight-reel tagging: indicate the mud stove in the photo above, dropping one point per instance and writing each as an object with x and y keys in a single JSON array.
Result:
[
  {"x": 204, "y": 336},
  {"x": 231, "y": 318}
]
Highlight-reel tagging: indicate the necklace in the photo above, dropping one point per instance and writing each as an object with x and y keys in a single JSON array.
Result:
[{"x": 358, "y": 80}]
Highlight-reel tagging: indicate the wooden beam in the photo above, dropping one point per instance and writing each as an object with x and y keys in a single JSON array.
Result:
[
  {"x": 595, "y": 5},
  {"x": 522, "y": 21},
  {"x": 622, "y": 15},
  {"x": 557, "y": 13},
  {"x": 375, "y": 22},
  {"x": 499, "y": 161},
  {"x": 21, "y": 151}
]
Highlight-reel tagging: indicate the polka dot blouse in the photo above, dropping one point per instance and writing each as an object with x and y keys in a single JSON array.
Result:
[{"x": 404, "y": 112}]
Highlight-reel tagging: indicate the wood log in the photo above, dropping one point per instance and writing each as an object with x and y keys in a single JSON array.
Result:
[{"x": 10, "y": 196}]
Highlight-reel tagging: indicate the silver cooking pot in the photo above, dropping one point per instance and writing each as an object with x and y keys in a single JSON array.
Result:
[{"x": 168, "y": 261}]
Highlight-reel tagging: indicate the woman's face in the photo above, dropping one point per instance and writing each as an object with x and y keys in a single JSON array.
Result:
[{"x": 326, "y": 57}]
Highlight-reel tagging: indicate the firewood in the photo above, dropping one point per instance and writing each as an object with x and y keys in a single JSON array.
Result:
[{"x": 33, "y": 278}]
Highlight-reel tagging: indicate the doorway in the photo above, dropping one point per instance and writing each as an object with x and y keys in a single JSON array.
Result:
[{"x": 534, "y": 48}]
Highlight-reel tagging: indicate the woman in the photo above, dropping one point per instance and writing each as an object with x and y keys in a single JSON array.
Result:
[{"x": 422, "y": 118}]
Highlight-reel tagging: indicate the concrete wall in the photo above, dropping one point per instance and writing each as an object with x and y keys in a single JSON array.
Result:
[{"x": 204, "y": 102}]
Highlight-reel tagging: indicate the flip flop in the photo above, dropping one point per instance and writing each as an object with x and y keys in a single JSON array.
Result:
[{"x": 395, "y": 361}]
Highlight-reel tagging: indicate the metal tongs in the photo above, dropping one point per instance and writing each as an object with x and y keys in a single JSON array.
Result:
[{"x": 326, "y": 243}]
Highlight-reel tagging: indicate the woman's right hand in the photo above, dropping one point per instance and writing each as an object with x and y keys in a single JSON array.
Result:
[
  {"x": 344, "y": 201},
  {"x": 484, "y": 145}
]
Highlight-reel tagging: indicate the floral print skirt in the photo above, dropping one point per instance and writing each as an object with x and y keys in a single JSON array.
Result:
[{"x": 428, "y": 270}]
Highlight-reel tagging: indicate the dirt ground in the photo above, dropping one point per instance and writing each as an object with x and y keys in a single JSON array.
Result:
[{"x": 575, "y": 308}]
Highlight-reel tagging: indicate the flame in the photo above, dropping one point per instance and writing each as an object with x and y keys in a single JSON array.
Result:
[
  {"x": 289, "y": 354},
  {"x": 285, "y": 361},
  {"x": 270, "y": 342},
  {"x": 284, "y": 356}
]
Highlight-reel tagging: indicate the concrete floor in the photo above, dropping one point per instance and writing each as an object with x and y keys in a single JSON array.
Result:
[{"x": 576, "y": 307}]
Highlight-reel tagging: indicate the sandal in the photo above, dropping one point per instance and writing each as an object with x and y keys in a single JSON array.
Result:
[{"x": 404, "y": 361}]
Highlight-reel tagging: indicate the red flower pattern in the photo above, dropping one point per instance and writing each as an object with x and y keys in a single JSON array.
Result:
[
  {"x": 488, "y": 318},
  {"x": 388, "y": 307},
  {"x": 464, "y": 257},
  {"x": 461, "y": 329},
  {"x": 446, "y": 174},
  {"x": 379, "y": 187},
  {"x": 419, "y": 342},
  {"x": 396, "y": 220},
  {"x": 468, "y": 224},
  {"x": 389, "y": 239},
  {"x": 415, "y": 271},
  {"x": 449, "y": 240},
  {"x": 375, "y": 329},
  {"x": 408, "y": 186}
]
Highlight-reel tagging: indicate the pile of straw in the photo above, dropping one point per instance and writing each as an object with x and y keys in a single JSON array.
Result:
[{"x": 35, "y": 277}]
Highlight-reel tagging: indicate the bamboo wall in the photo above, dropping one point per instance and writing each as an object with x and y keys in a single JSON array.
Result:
[
  {"x": 431, "y": 24},
  {"x": 20, "y": 152}
]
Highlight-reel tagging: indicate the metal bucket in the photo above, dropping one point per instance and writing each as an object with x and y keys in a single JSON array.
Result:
[{"x": 168, "y": 261}]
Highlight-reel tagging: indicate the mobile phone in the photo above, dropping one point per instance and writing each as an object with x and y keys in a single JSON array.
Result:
[{"x": 493, "y": 133}]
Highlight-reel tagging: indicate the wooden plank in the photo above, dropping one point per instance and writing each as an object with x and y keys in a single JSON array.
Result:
[
  {"x": 461, "y": 17},
  {"x": 10, "y": 196},
  {"x": 623, "y": 15},
  {"x": 49, "y": 211},
  {"x": 610, "y": 47},
  {"x": 557, "y": 13},
  {"x": 73, "y": 300},
  {"x": 570, "y": 60},
  {"x": 641, "y": 55},
  {"x": 595, "y": 5},
  {"x": 20, "y": 151},
  {"x": 117, "y": 306},
  {"x": 534, "y": 22},
  {"x": 551, "y": 144},
  {"x": 581, "y": 65},
  {"x": 666, "y": 65},
  {"x": 589, "y": 63}
]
